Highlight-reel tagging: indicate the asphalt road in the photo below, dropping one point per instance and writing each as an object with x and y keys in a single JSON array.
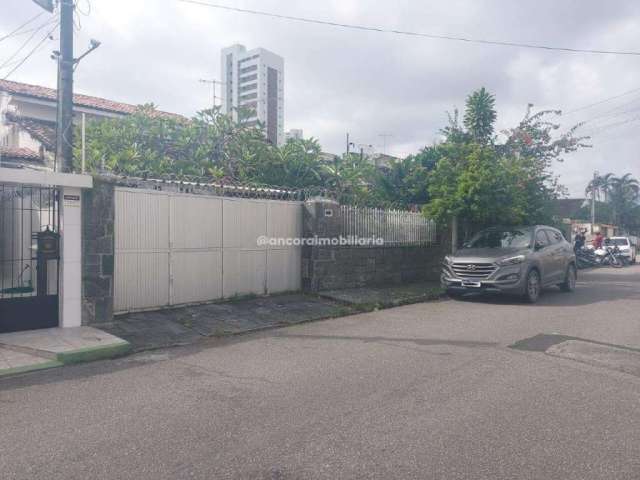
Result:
[{"x": 426, "y": 391}]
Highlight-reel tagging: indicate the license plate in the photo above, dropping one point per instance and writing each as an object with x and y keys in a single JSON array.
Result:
[{"x": 471, "y": 284}]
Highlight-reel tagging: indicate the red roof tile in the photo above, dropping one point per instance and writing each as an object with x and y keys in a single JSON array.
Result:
[
  {"x": 42, "y": 130},
  {"x": 19, "y": 154},
  {"x": 44, "y": 93}
]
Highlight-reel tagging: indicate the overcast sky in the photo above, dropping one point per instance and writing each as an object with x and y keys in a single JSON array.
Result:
[{"x": 369, "y": 83}]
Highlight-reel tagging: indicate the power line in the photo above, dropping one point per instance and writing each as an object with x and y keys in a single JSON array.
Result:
[
  {"x": 614, "y": 112},
  {"x": 409, "y": 33},
  {"x": 25, "y": 43},
  {"x": 32, "y": 51},
  {"x": 600, "y": 102},
  {"x": 602, "y": 128},
  {"x": 15, "y": 32}
]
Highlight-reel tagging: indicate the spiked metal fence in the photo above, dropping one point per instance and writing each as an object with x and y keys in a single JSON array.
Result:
[{"x": 395, "y": 227}]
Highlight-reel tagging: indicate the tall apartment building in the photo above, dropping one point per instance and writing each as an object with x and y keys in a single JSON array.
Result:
[
  {"x": 293, "y": 134},
  {"x": 253, "y": 88}
]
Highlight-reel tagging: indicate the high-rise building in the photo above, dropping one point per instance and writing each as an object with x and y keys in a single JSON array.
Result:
[
  {"x": 253, "y": 88},
  {"x": 293, "y": 134}
]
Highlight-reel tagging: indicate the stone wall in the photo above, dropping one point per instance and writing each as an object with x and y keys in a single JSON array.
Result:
[
  {"x": 338, "y": 267},
  {"x": 98, "y": 216}
]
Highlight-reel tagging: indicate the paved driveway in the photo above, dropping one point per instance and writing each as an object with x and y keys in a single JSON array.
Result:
[{"x": 426, "y": 391}]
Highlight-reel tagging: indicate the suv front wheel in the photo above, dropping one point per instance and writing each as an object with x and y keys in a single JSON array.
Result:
[
  {"x": 569, "y": 284},
  {"x": 533, "y": 287}
]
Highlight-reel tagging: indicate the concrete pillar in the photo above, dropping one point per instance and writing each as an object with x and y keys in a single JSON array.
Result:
[{"x": 70, "y": 294}]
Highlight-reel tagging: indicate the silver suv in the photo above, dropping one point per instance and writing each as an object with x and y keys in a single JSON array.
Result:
[{"x": 514, "y": 260}]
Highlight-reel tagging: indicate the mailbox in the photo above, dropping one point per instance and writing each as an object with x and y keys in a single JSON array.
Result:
[{"x": 48, "y": 245}]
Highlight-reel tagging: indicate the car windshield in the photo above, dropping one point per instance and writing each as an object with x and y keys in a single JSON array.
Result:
[
  {"x": 618, "y": 242},
  {"x": 501, "y": 238}
]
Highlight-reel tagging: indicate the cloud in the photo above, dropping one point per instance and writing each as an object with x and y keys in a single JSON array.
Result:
[{"x": 367, "y": 83}]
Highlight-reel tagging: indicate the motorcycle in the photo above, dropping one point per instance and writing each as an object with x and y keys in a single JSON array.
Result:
[
  {"x": 611, "y": 255},
  {"x": 588, "y": 257}
]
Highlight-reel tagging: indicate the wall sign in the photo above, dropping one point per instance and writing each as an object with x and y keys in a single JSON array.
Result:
[{"x": 71, "y": 200}]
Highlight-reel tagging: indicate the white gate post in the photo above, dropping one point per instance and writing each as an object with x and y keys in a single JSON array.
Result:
[{"x": 70, "y": 288}]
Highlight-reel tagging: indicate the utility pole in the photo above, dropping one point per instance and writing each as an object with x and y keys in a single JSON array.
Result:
[
  {"x": 384, "y": 141},
  {"x": 64, "y": 135},
  {"x": 348, "y": 144},
  {"x": 593, "y": 200}
]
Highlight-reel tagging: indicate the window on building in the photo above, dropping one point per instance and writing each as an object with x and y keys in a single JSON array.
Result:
[{"x": 245, "y": 88}]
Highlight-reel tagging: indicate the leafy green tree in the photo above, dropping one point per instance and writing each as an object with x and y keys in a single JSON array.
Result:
[
  {"x": 294, "y": 165},
  {"x": 351, "y": 178},
  {"x": 600, "y": 186},
  {"x": 150, "y": 143},
  {"x": 480, "y": 115},
  {"x": 482, "y": 181},
  {"x": 624, "y": 193},
  {"x": 478, "y": 187},
  {"x": 620, "y": 195},
  {"x": 403, "y": 184}
]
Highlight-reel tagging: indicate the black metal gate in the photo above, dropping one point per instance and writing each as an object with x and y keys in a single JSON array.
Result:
[{"x": 29, "y": 257}]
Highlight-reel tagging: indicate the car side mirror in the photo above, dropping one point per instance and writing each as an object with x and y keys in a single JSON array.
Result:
[{"x": 538, "y": 246}]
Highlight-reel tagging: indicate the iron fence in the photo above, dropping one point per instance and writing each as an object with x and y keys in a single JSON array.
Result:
[{"x": 394, "y": 227}]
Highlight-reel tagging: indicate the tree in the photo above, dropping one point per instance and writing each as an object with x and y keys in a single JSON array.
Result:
[
  {"x": 404, "y": 183},
  {"x": 621, "y": 196},
  {"x": 624, "y": 193},
  {"x": 600, "y": 185},
  {"x": 482, "y": 181},
  {"x": 294, "y": 165},
  {"x": 479, "y": 188},
  {"x": 149, "y": 143},
  {"x": 350, "y": 177},
  {"x": 480, "y": 115}
]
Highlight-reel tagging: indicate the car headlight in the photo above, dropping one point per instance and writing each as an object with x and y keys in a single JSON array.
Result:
[
  {"x": 512, "y": 260},
  {"x": 447, "y": 260}
]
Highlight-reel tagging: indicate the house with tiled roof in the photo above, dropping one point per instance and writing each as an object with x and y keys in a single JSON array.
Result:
[{"x": 28, "y": 121}]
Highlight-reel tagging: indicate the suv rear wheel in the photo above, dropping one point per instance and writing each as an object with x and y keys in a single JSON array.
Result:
[{"x": 533, "y": 287}]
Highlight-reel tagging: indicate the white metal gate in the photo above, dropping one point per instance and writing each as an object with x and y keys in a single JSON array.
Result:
[{"x": 175, "y": 248}]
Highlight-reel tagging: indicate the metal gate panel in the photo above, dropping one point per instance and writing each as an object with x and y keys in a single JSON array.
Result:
[
  {"x": 284, "y": 262},
  {"x": 142, "y": 221},
  {"x": 141, "y": 250},
  {"x": 175, "y": 248},
  {"x": 284, "y": 267},
  {"x": 244, "y": 272},
  {"x": 196, "y": 276},
  {"x": 244, "y": 261},
  {"x": 28, "y": 264},
  {"x": 196, "y": 222},
  {"x": 141, "y": 280},
  {"x": 244, "y": 221}
]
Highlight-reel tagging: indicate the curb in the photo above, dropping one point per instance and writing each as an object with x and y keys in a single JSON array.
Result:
[
  {"x": 30, "y": 368},
  {"x": 82, "y": 355},
  {"x": 365, "y": 307},
  {"x": 91, "y": 354}
]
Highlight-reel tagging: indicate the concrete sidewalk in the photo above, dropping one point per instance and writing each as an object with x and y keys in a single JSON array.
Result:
[
  {"x": 371, "y": 298},
  {"x": 187, "y": 325},
  {"x": 52, "y": 347},
  {"x": 47, "y": 348}
]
